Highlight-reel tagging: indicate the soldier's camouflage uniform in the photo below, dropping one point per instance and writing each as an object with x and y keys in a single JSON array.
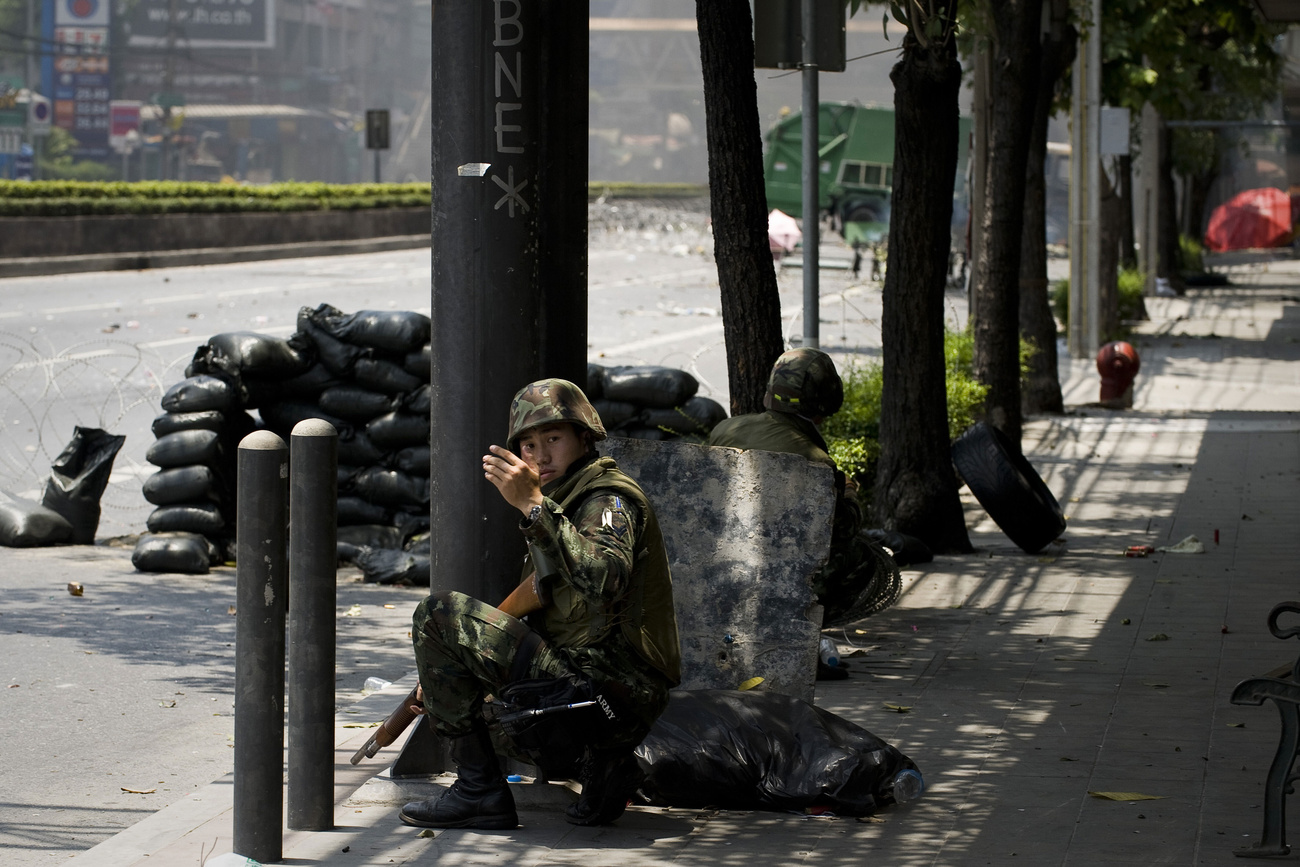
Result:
[
  {"x": 610, "y": 614},
  {"x": 859, "y": 577}
]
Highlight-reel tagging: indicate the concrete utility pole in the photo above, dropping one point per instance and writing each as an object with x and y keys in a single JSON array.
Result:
[
  {"x": 811, "y": 180},
  {"x": 509, "y": 255},
  {"x": 1085, "y": 191}
]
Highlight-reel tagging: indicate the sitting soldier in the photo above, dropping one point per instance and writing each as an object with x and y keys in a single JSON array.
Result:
[
  {"x": 602, "y": 628},
  {"x": 804, "y": 389}
]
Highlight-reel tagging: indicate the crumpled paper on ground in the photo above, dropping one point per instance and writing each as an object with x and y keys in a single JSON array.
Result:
[{"x": 1190, "y": 545}]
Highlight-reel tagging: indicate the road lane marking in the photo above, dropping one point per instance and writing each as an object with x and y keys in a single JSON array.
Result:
[
  {"x": 83, "y": 308},
  {"x": 651, "y": 278}
]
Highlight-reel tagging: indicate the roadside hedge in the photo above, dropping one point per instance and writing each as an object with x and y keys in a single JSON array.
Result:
[{"x": 73, "y": 198}]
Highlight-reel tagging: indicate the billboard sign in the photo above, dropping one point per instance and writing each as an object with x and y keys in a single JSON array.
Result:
[
  {"x": 123, "y": 119},
  {"x": 203, "y": 23},
  {"x": 81, "y": 13}
]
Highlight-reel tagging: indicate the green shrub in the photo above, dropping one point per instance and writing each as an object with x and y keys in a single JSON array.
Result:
[
  {"x": 1132, "y": 282},
  {"x": 853, "y": 433},
  {"x": 72, "y": 198},
  {"x": 1191, "y": 255}
]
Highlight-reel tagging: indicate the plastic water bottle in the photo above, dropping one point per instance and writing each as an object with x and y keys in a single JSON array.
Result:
[
  {"x": 828, "y": 652},
  {"x": 908, "y": 785},
  {"x": 374, "y": 684}
]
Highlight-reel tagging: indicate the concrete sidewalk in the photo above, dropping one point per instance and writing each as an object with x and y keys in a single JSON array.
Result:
[{"x": 1028, "y": 681}]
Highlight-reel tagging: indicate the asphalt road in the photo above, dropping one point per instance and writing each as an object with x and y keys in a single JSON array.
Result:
[{"x": 120, "y": 701}]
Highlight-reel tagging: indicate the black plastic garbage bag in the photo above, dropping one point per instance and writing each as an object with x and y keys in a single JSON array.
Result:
[
  {"x": 78, "y": 478},
  {"x": 205, "y": 518},
  {"x": 24, "y": 524},
  {"x": 283, "y": 417},
  {"x": 595, "y": 385},
  {"x": 388, "y": 565},
  {"x": 356, "y": 449},
  {"x": 384, "y": 376},
  {"x": 418, "y": 401},
  {"x": 764, "y": 751},
  {"x": 248, "y": 353},
  {"x": 370, "y": 536},
  {"x": 354, "y": 510},
  {"x": 305, "y": 386},
  {"x": 180, "y": 485},
  {"x": 397, "y": 430},
  {"x": 355, "y": 404},
  {"x": 336, "y": 356},
  {"x": 184, "y": 447},
  {"x": 189, "y": 553},
  {"x": 649, "y": 385},
  {"x": 614, "y": 413},
  {"x": 400, "y": 331},
  {"x": 391, "y": 488},
  {"x": 170, "y": 422},
  {"x": 698, "y": 415},
  {"x": 199, "y": 393},
  {"x": 419, "y": 363},
  {"x": 413, "y": 460}
]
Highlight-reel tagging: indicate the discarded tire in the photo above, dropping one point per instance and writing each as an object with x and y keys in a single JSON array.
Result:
[{"x": 1008, "y": 487}]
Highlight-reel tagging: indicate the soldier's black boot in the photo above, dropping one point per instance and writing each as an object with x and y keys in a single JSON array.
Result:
[
  {"x": 480, "y": 797},
  {"x": 609, "y": 779}
]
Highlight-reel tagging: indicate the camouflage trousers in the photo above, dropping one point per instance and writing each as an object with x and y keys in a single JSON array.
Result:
[{"x": 466, "y": 649}]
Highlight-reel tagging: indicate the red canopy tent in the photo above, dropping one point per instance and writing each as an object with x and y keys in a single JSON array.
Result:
[{"x": 1254, "y": 218}]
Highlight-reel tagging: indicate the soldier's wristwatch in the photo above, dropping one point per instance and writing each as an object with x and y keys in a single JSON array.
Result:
[{"x": 533, "y": 514}]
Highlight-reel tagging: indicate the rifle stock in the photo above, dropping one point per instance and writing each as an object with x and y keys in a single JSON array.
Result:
[{"x": 524, "y": 599}]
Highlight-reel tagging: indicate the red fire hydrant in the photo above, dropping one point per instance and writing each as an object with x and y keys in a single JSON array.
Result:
[{"x": 1118, "y": 364}]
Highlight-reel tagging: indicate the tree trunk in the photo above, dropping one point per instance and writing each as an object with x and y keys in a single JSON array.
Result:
[
  {"x": 751, "y": 307},
  {"x": 1124, "y": 187},
  {"x": 1042, "y": 385},
  {"x": 995, "y": 299},
  {"x": 1108, "y": 258},
  {"x": 1167, "y": 219},
  {"x": 916, "y": 488}
]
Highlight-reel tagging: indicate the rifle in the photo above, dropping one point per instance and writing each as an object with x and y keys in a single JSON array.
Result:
[{"x": 528, "y": 597}]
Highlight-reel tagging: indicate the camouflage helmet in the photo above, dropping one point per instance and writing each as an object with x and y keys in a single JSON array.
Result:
[
  {"x": 804, "y": 382},
  {"x": 551, "y": 401}
]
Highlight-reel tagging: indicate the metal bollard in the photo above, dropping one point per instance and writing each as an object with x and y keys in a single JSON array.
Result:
[
  {"x": 261, "y": 588},
  {"x": 313, "y": 517}
]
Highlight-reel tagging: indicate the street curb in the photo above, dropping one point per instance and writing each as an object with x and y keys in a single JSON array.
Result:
[
  {"x": 215, "y": 802},
  {"x": 144, "y": 260}
]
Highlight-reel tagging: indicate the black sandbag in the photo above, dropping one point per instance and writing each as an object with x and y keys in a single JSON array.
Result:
[
  {"x": 414, "y": 460},
  {"x": 345, "y": 474},
  {"x": 400, "y": 331},
  {"x": 370, "y": 536},
  {"x": 649, "y": 385},
  {"x": 377, "y": 374},
  {"x": 396, "y": 430},
  {"x": 764, "y": 751},
  {"x": 614, "y": 413},
  {"x": 336, "y": 356},
  {"x": 78, "y": 478},
  {"x": 421, "y": 543},
  {"x": 258, "y": 355},
  {"x": 355, "y": 510},
  {"x": 305, "y": 386},
  {"x": 412, "y": 523},
  {"x": 419, "y": 363},
  {"x": 170, "y": 422},
  {"x": 391, "y": 488},
  {"x": 356, "y": 449},
  {"x": 696, "y": 416},
  {"x": 199, "y": 393},
  {"x": 355, "y": 404},
  {"x": 392, "y": 566},
  {"x": 189, "y": 553},
  {"x": 205, "y": 518},
  {"x": 190, "y": 484},
  {"x": 281, "y": 417},
  {"x": 595, "y": 385},
  {"x": 637, "y": 432},
  {"x": 25, "y": 524},
  {"x": 418, "y": 401},
  {"x": 184, "y": 447}
]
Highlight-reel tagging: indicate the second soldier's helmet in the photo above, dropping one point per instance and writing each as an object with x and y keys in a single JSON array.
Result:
[
  {"x": 804, "y": 382},
  {"x": 548, "y": 401}
]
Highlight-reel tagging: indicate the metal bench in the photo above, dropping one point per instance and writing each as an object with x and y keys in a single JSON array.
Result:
[{"x": 1282, "y": 686}]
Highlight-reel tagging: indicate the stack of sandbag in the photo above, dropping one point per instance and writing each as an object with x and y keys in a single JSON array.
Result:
[
  {"x": 197, "y": 437},
  {"x": 367, "y": 374},
  {"x": 651, "y": 403}
]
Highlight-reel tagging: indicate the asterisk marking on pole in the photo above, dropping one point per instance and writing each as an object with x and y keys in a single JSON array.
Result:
[{"x": 512, "y": 192}]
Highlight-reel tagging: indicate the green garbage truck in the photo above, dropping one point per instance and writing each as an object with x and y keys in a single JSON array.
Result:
[{"x": 856, "y": 154}]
